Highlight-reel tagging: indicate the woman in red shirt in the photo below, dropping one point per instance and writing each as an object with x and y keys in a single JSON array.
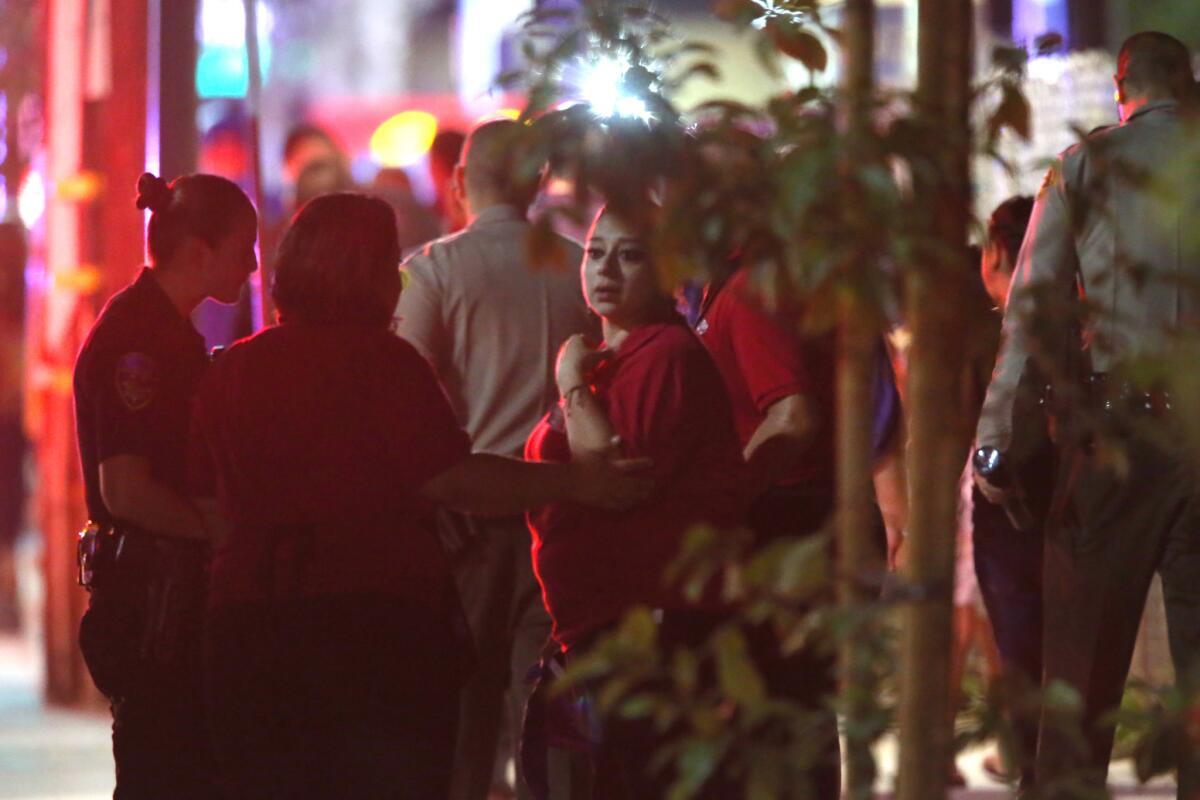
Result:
[
  {"x": 332, "y": 665},
  {"x": 650, "y": 391}
]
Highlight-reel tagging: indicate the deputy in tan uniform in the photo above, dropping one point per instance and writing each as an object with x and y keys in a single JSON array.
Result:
[
  {"x": 1114, "y": 236},
  {"x": 490, "y": 324}
]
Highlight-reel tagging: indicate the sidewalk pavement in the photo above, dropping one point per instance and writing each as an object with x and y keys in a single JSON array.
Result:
[{"x": 47, "y": 753}]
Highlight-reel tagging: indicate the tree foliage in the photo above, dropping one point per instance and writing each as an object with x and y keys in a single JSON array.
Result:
[{"x": 784, "y": 189}]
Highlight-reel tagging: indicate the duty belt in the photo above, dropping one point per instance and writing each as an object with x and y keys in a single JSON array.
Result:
[{"x": 105, "y": 547}]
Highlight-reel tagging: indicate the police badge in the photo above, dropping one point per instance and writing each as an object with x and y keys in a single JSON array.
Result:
[{"x": 137, "y": 380}]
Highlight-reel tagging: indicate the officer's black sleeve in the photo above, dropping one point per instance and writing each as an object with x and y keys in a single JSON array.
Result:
[
  {"x": 1047, "y": 257},
  {"x": 128, "y": 405},
  {"x": 201, "y": 468}
]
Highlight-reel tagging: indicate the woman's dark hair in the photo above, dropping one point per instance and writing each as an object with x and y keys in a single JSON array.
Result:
[
  {"x": 1008, "y": 224},
  {"x": 339, "y": 262},
  {"x": 204, "y": 206}
]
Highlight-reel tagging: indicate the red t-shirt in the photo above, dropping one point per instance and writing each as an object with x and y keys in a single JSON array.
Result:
[
  {"x": 665, "y": 400},
  {"x": 318, "y": 439},
  {"x": 763, "y": 359}
]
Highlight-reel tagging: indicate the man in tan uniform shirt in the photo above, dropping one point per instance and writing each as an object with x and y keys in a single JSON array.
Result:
[
  {"x": 490, "y": 324},
  {"x": 1115, "y": 227}
]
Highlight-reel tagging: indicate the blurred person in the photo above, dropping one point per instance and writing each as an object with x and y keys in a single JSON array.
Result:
[
  {"x": 415, "y": 224},
  {"x": 488, "y": 322},
  {"x": 332, "y": 661},
  {"x": 781, "y": 385},
  {"x": 1008, "y": 561},
  {"x": 1125, "y": 197},
  {"x": 306, "y": 144},
  {"x": 556, "y": 202},
  {"x": 225, "y": 151},
  {"x": 444, "y": 157},
  {"x": 650, "y": 390},
  {"x": 145, "y": 552},
  {"x": 320, "y": 177}
]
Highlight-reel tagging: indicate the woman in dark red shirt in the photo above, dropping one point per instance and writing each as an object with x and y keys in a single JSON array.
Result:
[
  {"x": 650, "y": 391},
  {"x": 332, "y": 666}
]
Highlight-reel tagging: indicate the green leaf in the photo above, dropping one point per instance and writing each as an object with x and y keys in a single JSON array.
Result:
[
  {"x": 738, "y": 677},
  {"x": 800, "y": 45},
  {"x": 1013, "y": 112},
  {"x": 702, "y": 70},
  {"x": 1009, "y": 58},
  {"x": 638, "y": 628},
  {"x": 737, "y": 11},
  {"x": 685, "y": 670},
  {"x": 639, "y": 706},
  {"x": 1048, "y": 43},
  {"x": 697, "y": 763}
]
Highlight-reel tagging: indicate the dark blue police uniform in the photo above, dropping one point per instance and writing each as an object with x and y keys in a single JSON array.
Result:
[{"x": 135, "y": 380}]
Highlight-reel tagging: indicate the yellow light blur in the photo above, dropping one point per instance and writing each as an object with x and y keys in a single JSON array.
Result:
[
  {"x": 404, "y": 139},
  {"x": 84, "y": 279},
  {"x": 80, "y": 187}
]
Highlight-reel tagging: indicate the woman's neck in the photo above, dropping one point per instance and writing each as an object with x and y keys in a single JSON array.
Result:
[
  {"x": 615, "y": 332},
  {"x": 178, "y": 289}
]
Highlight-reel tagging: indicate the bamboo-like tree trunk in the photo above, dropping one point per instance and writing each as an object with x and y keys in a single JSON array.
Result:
[
  {"x": 938, "y": 426},
  {"x": 854, "y": 371}
]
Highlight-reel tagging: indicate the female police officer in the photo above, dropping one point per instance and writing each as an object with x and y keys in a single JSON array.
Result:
[{"x": 134, "y": 382}]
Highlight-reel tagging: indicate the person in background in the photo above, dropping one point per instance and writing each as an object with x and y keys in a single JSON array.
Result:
[
  {"x": 319, "y": 178},
  {"x": 307, "y": 144},
  {"x": 1108, "y": 239},
  {"x": 415, "y": 224},
  {"x": 489, "y": 322},
  {"x": 225, "y": 151},
  {"x": 144, "y": 554},
  {"x": 331, "y": 657},
  {"x": 780, "y": 384},
  {"x": 1008, "y": 561},
  {"x": 651, "y": 390},
  {"x": 444, "y": 156}
]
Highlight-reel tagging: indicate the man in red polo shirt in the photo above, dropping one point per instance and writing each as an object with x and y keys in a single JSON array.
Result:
[{"x": 781, "y": 389}]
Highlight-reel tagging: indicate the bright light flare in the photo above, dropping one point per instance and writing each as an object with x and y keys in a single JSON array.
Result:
[
  {"x": 603, "y": 87},
  {"x": 402, "y": 140},
  {"x": 31, "y": 201},
  {"x": 601, "y": 84}
]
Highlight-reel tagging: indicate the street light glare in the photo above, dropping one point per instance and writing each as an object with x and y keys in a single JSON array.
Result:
[
  {"x": 601, "y": 84},
  {"x": 603, "y": 87}
]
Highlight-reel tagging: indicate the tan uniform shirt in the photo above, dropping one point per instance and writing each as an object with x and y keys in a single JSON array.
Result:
[
  {"x": 1116, "y": 223},
  {"x": 491, "y": 324}
]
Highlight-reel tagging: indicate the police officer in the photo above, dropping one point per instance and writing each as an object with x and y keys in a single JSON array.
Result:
[
  {"x": 1111, "y": 225},
  {"x": 144, "y": 555}
]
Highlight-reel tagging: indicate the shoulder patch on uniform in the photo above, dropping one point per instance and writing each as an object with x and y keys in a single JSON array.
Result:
[
  {"x": 1049, "y": 181},
  {"x": 137, "y": 380}
]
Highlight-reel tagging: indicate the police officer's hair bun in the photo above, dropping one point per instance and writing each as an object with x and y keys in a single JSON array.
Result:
[{"x": 152, "y": 192}]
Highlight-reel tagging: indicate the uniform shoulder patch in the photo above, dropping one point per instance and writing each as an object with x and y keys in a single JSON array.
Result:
[
  {"x": 1051, "y": 179},
  {"x": 137, "y": 380}
]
